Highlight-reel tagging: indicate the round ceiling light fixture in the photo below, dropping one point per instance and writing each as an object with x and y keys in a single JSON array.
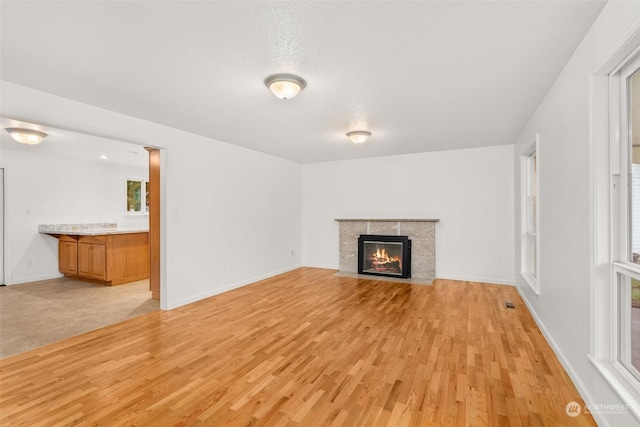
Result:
[
  {"x": 358, "y": 136},
  {"x": 285, "y": 86},
  {"x": 26, "y": 136}
]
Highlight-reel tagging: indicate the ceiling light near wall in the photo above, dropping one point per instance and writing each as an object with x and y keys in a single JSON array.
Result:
[
  {"x": 358, "y": 136},
  {"x": 26, "y": 136},
  {"x": 285, "y": 86}
]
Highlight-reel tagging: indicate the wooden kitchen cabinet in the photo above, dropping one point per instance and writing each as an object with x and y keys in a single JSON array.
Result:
[
  {"x": 110, "y": 259},
  {"x": 68, "y": 255},
  {"x": 92, "y": 257}
]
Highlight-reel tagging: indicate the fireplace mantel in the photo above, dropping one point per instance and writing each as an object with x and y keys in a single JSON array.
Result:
[{"x": 421, "y": 231}]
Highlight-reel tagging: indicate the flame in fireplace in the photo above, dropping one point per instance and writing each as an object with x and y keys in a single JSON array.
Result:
[
  {"x": 382, "y": 255},
  {"x": 382, "y": 261}
]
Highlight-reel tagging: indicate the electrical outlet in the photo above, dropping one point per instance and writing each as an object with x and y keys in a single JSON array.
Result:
[
  {"x": 29, "y": 263},
  {"x": 27, "y": 212}
]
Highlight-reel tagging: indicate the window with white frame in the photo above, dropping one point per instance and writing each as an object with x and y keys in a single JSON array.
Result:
[
  {"x": 137, "y": 196},
  {"x": 614, "y": 217},
  {"x": 625, "y": 202},
  {"x": 529, "y": 219}
]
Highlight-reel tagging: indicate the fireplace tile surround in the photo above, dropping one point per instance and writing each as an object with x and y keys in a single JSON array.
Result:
[{"x": 422, "y": 233}]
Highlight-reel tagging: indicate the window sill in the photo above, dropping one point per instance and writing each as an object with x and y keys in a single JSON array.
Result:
[
  {"x": 620, "y": 384},
  {"x": 531, "y": 281},
  {"x": 136, "y": 215}
]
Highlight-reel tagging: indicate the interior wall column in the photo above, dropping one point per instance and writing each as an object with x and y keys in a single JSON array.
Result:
[{"x": 154, "y": 222}]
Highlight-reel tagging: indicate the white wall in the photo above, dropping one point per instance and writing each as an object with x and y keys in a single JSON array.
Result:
[
  {"x": 216, "y": 197},
  {"x": 46, "y": 189},
  {"x": 239, "y": 218},
  {"x": 470, "y": 191},
  {"x": 562, "y": 309}
]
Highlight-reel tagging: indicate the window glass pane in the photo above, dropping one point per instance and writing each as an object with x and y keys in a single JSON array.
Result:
[
  {"x": 529, "y": 256},
  {"x": 532, "y": 192},
  {"x": 629, "y": 327},
  {"x": 134, "y": 196},
  {"x": 147, "y": 187},
  {"x": 634, "y": 170},
  {"x": 533, "y": 261}
]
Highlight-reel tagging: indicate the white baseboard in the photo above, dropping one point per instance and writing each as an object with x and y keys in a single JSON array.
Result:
[
  {"x": 326, "y": 267},
  {"x": 175, "y": 304},
  {"x": 584, "y": 393},
  {"x": 34, "y": 279},
  {"x": 490, "y": 280}
]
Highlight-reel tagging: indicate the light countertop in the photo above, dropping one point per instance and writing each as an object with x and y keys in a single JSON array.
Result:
[{"x": 88, "y": 229}]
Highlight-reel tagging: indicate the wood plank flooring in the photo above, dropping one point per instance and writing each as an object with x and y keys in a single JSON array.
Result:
[{"x": 306, "y": 348}]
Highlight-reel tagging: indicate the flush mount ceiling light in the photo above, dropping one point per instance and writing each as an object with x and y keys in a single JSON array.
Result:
[
  {"x": 26, "y": 136},
  {"x": 358, "y": 136},
  {"x": 285, "y": 86}
]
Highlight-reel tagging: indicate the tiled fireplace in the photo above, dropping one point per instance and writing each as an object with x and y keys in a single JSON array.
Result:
[{"x": 421, "y": 232}]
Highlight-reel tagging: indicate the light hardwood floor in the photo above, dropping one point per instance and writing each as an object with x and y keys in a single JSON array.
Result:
[{"x": 304, "y": 348}]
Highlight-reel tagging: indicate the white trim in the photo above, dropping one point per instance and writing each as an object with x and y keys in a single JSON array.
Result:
[
  {"x": 619, "y": 383},
  {"x": 564, "y": 361},
  {"x": 8, "y": 218},
  {"x": 326, "y": 267},
  {"x": 615, "y": 57},
  {"x": 35, "y": 279},
  {"x": 143, "y": 197},
  {"x": 533, "y": 280},
  {"x": 3, "y": 232},
  {"x": 175, "y": 304},
  {"x": 609, "y": 164},
  {"x": 487, "y": 280},
  {"x": 599, "y": 213},
  {"x": 621, "y": 358}
]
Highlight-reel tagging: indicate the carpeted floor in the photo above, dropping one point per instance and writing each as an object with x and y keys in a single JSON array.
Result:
[{"x": 39, "y": 313}]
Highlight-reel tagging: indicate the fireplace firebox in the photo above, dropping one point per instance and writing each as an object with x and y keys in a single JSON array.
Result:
[{"x": 384, "y": 255}]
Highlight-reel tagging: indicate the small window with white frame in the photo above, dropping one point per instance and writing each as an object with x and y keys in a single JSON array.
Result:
[
  {"x": 137, "y": 196},
  {"x": 529, "y": 218}
]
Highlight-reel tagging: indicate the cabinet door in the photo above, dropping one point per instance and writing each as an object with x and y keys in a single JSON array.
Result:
[
  {"x": 63, "y": 258},
  {"x": 92, "y": 260},
  {"x": 68, "y": 257},
  {"x": 73, "y": 258},
  {"x": 84, "y": 259},
  {"x": 98, "y": 262}
]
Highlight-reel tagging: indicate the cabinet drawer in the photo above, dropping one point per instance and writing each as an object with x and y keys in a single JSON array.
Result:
[{"x": 102, "y": 239}]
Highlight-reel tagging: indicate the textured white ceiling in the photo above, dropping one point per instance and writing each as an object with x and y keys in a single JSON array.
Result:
[
  {"x": 76, "y": 146},
  {"x": 420, "y": 75}
]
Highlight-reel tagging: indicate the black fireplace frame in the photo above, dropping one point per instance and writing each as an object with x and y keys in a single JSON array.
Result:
[{"x": 406, "y": 254}]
